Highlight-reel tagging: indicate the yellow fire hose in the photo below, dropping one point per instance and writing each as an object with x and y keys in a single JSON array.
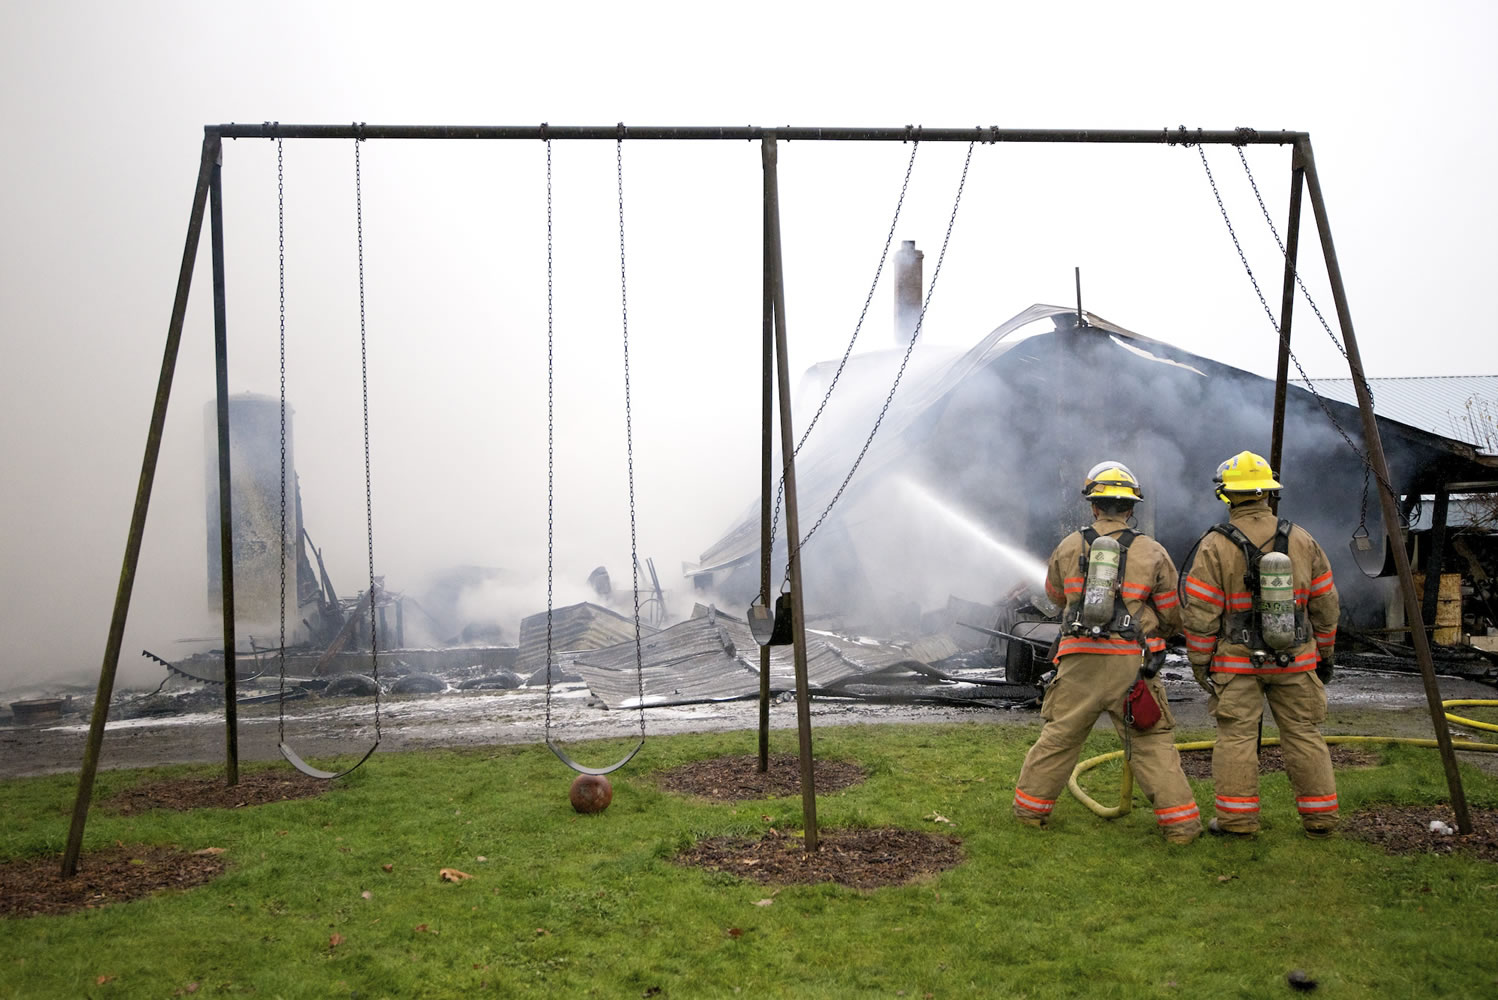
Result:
[{"x": 1126, "y": 785}]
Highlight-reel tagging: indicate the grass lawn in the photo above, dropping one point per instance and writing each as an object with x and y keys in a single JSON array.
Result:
[{"x": 564, "y": 905}]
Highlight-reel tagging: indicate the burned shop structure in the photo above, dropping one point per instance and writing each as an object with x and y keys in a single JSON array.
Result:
[{"x": 975, "y": 476}]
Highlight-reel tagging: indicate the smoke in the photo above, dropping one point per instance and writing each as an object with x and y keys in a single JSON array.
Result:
[{"x": 974, "y": 479}]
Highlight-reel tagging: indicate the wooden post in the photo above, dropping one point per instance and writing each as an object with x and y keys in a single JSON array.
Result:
[
  {"x": 1287, "y": 310},
  {"x": 225, "y": 500},
  {"x": 792, "y": 521},
  {"x": 766, "y": 474},
  {"x": 1386, "y": 497},
  {"x": 90, "y": 768}
]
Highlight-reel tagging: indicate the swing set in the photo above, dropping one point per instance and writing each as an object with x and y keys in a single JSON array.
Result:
[{"x": 207, "y": 199}]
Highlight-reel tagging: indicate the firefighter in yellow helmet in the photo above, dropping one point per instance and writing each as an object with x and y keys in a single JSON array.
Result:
[
  {"x": 1112, "y": 637},
  {"x": 1261, "y": 620}
]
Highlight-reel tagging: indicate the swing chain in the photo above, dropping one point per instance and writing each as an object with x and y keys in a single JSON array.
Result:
[
  {"x": 550, "y": 439},
  {"x": 629, "y": 444},
  {"x": 281, "y": 275},
  {"x": 827, "y": 396},
  {"x": 1285, "y": 342},
  {"x": 374, "y": 630},
  {"x": 914, "y": 338},
  {"x": 1274, "y": 230}
]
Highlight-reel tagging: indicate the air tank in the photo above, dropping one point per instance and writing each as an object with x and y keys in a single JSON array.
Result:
[
  {"x": 1277, "y": 601},
  {"x": 255, "y": 511},
  {"x": 1101, "y": 583}
]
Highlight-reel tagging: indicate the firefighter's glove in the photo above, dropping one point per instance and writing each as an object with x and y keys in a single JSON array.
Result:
[
  {"x": 1153, "y": 661},
  {"x": 1202, "y": 673},
  {"x": 1324, "y": 671}
]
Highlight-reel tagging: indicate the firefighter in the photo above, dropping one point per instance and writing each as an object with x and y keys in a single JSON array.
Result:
[
  {"x": 1261, "y": 620},
  {"x": 1112, "y": 635}
]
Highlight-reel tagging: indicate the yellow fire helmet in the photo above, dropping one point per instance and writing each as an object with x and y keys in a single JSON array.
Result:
[
  {"x": 1111, "y": 479},
  {"x": 1245, "y": 476}
]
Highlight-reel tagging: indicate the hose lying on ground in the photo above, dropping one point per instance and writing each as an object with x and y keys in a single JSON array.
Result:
[{"x": 1126, "y": 787}]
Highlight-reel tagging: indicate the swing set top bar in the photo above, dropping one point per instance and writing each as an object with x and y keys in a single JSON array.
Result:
[{"x": 1178, "y": 136}]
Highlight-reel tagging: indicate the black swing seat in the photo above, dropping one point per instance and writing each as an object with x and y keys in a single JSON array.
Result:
[
  {"x": 562, "y": 756},
  {"x": 315, "y": 772}
]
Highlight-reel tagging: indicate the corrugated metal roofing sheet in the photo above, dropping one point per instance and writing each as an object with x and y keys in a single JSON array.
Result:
[
  {"x": 1461, "y": 407},
  {"x": 715, "y": 658},
  {"x": 576, "y": 627}
]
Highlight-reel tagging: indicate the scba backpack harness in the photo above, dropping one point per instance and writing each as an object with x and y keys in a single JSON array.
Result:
[
  {"x": 1102, "y": 564},
  {"x": 1274, "y": 627}
]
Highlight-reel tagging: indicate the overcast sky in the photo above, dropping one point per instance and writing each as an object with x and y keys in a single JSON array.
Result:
[{"x": 104, "y": 105}]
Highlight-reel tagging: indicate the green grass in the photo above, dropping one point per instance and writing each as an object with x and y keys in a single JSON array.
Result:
[{"x": 578, "y": 906}]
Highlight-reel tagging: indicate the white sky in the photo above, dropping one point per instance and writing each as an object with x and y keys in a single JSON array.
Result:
[{"x": 104, "y": 105}]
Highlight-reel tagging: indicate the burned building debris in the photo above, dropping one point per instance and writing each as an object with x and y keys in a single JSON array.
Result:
[
  {"x": 968, "y": 486},
  {"x": 975, "y": 472}
]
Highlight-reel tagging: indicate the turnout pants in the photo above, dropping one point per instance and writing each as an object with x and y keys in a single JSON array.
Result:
[
  {"x": 1086, "y": 686},
  {"x": 1298, "y": 702}
]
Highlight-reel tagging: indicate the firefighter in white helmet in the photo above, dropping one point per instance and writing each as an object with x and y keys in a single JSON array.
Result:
[
  {"x": 1118, "y": 588},
  {"x": 1261, "y": 620}
]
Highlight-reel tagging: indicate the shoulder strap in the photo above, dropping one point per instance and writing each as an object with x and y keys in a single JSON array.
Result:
[
  {"x": 1251, "y": 553},
  {"x": 1282, "y": 537},
  {"x": 1125, "y": 538}
]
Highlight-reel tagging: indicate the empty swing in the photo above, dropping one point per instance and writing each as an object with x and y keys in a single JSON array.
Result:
[
  {"x": 551, "y": 479},
  {"x": 371, "y": 597}
]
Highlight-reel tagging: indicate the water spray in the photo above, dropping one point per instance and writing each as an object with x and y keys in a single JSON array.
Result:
[{"x": 1032, "y": 568}]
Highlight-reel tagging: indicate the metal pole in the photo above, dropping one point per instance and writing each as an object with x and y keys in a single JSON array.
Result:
[
  {"x": 1435, "y": 556},
  {"x": 907, "y": 133},
  {"x": 766, "y": 476},
  {"x": 1287, "y": 310},
  {"x": 792, "y": 522},
  {"x": 110, "y": 666},
  {"x": 225, "y": 504},
  {"x": 1386, "y": 498}
]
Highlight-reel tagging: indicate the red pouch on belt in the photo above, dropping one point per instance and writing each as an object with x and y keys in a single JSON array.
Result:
[{"x": 1141, "y": 711}]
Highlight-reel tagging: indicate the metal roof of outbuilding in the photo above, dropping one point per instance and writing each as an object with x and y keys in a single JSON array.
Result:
[{"x": 1461, "y": 407}]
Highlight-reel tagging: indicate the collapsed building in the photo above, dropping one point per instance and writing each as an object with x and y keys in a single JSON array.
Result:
[{"x": 975, "y": 473}]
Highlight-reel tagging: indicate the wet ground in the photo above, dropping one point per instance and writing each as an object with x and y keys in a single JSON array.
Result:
[{"x": 1359, "y": 702}]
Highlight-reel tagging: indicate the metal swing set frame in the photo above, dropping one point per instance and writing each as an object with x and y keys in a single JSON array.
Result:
[{"x": 776, "y": 381}]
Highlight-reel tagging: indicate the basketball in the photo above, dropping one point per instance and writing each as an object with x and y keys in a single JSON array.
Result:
[{"x": 591, "y": 793}]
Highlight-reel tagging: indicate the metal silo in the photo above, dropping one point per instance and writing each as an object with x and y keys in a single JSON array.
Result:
[{"x": 255, "y": 509}]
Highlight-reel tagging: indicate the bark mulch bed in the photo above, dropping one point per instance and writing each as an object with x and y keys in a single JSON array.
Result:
[
  {"x": 255, "y": 788},
  {"x": 738, "y": 778},
  {"x": 1198, "y": 763},
  {"x": 119, "y": 874},
  {"x": 114, "y": 875},
  {"x": 1406, "y": 830},
  {"x": 1397, "y": 829},
  {"x": 861, "y": 859}
]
